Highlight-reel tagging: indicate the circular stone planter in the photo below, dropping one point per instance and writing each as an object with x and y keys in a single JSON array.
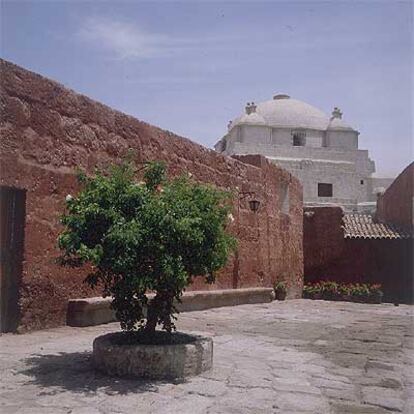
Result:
[{"x": 190, "y": 355}]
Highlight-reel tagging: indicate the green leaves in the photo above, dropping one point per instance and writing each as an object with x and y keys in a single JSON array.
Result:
[
  {"x": 155, "y": 236},
  {"x": 154, "y": 174}
]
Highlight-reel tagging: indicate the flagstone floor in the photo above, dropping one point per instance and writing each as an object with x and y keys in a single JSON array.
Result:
[{"x": 298, "y": 356}]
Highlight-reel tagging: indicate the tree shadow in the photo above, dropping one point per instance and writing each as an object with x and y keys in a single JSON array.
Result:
[{"x": 74, "y": 372}]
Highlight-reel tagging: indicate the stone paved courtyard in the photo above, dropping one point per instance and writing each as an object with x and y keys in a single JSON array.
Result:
[{"x": 298, "y": 356}]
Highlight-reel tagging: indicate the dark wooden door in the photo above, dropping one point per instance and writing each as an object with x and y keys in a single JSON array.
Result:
[{"x": 12, "y": 222}]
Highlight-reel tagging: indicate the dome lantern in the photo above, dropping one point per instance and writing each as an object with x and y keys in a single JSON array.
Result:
[{"x": 281, "y": 96}]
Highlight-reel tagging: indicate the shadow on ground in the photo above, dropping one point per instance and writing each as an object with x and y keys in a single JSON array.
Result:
[{"x": 74, "y": 372}]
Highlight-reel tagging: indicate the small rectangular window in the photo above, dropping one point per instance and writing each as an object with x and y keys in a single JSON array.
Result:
[
  {"x": 325, "y": 190},
  {"x": 299, "y": 138},
  {"x": 362, "y": 182},
  {"x": 297, "y": 141}
]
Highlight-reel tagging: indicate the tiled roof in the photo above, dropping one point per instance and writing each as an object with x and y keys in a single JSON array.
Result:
[{"x": 362, "y": 226}]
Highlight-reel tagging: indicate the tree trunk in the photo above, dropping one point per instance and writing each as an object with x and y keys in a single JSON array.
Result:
[
  {"x": 152, "y": 318},
  {"x": 159, "y": 311}
]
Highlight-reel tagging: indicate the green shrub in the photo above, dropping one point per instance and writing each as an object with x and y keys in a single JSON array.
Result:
[
  {"x": 329, "y": 290},
  {"x": 306, "y": 292},
  {"x": 312, "y": 291},
  {"x": 344, "y": 290},
  {"x": 359, "y": 292},
  {"x": 155, "y": 236}
]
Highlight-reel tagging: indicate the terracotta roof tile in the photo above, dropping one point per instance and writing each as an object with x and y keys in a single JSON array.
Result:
[{"x": 362, "y": 226}]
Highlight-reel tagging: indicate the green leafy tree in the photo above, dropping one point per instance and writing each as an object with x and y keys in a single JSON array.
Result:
[{"x": 153, "y": 236}]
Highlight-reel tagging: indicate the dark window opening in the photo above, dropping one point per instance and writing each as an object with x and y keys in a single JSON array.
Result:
[
  {"x": 325, "y": 190},
  {"x": 299, "y": 139},
  {"x": 362, "y": 182}
]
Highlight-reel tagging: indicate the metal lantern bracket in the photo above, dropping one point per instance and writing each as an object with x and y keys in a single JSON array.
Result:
[{"x": 254, "y": 204}]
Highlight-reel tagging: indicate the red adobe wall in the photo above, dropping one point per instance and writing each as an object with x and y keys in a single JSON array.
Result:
[
  {"x": 329, "y": 256},
  {"x": 323, "y": 238},
  {"x": 48, "y": 130},
  {"x": 397, "y": 203}
]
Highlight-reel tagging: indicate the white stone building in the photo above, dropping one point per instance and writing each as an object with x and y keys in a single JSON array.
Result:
[{"x": 321, "y": 151}]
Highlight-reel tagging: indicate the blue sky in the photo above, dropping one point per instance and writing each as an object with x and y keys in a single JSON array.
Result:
[{"x": 190, "y": 67}]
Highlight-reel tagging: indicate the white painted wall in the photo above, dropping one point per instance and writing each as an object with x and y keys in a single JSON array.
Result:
[
  {"x": 255, "y": 134},
  {"x": 282, "y": 136},
  {"x": 327, "y": 157},
  {"x": 342, "y": 139}
]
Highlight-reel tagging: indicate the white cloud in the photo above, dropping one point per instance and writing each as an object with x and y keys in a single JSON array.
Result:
[
  {"x": 128, "y": 41},
  {"x": 125, "y": 40}
]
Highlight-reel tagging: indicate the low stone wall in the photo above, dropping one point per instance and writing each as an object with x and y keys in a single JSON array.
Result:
[
  {"x": 95, "y": 311},
  {"x": 48, "y": 131}
]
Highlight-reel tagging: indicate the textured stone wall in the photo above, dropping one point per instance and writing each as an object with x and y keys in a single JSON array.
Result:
[
  {"x": 397, "y": 203},
  {"x": 48, "y": 130},
  {"x": 329, "y": 256}
]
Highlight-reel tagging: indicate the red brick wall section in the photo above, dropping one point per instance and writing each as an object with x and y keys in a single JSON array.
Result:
[
  {"x": 323, "y": 241},
  {"x": 329, "y": 256},
  {"x": 397, "y": 203},
  {"x": 48, "y": 130}
]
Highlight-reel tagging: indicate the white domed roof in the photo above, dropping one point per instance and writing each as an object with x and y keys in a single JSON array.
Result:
[{"x": 285, "y": 112}]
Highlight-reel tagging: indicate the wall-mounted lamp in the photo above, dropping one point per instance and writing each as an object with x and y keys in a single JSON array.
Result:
[{"x": 254, "y": 205}]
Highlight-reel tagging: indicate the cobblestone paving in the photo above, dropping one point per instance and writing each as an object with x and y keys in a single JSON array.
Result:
[{"x": 298, "y": 356}]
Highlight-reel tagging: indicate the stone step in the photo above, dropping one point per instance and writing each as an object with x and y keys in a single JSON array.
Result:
[{"x": 96, "y": 311}]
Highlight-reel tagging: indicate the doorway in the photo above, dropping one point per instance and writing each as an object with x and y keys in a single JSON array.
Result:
[{"x": 12, "y": 223}]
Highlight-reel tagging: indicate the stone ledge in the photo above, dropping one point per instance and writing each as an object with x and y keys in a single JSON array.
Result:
[{"x": 95, "y": 311}]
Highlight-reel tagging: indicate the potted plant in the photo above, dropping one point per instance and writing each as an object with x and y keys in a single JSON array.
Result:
[
  {"x": 344, "y": 292},
  {"x": 280, "y": 290},
  {"x": 146, "y": 237},
  {"x": 375, "y": 294},
  {"x": 307, "y": 292},
  {"x": 360, "y": 292},
  {"x": 329, "y": 290},
  {"x": 317, "y": 291}
]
